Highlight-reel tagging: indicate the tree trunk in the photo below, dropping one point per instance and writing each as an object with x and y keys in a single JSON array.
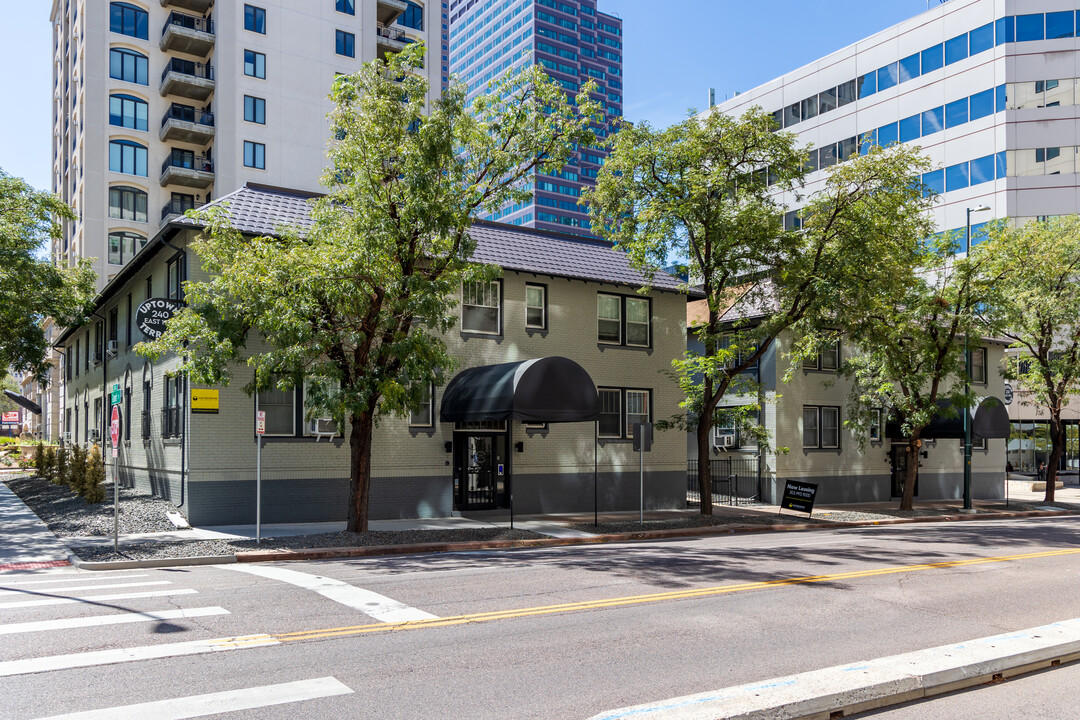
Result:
[
  {"x": 911, "y": 453},
  {"x": 360, "y": 470},
  {"x": 704, "y": 430},
  {"x": 1057, "y": 449}
]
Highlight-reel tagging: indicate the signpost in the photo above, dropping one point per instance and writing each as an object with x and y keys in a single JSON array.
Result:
[
  {"x": 643, "y": 444},
  {"x": 114, "y": 436},
  {"x": 260, "y": 430},
  {"x": 799, "y": 496}
]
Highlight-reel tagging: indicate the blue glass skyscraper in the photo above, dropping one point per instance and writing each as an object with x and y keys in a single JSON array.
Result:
[{"x": 574, "y": 42}]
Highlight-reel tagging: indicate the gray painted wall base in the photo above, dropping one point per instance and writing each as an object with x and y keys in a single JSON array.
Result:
[{"x": 834, "y": 490}]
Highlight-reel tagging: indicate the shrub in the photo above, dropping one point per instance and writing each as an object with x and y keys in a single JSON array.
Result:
[
  {"x": 77, "y": 472},
  {"x": 94, "y": 486},
  {"x": 60, "y": 471},
  {"x": 39, "y": 460},
  {"x": 47, "y": 469}
]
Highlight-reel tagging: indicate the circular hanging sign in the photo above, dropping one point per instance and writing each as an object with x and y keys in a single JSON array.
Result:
[
  {"x": 1008, "y": 394},
  {"x": 153, "y": 314}
]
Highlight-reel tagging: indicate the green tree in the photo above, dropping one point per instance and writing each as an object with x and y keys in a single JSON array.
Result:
[
  {"x": 32, "y": 288},
  {"x": 76, "y": 475},
  {"x": 357, "y": 304},
  {"x": 1032, "y": 273},
  {"x": 707, "y": 191}
]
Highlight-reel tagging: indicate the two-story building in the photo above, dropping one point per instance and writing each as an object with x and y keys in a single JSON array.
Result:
[{"x": 559, "y": 296}]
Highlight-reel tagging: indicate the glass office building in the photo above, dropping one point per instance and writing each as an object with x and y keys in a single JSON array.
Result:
[{"x": 575, "y": 42}]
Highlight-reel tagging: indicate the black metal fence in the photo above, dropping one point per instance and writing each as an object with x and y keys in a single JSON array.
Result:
[{"x": 734, "y": 479}]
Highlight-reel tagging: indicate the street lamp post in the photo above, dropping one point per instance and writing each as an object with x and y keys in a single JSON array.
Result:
[{"x": 967, "y": 379}]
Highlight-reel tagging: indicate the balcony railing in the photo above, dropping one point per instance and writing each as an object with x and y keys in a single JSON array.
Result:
[
  {"x": 188, "y": 67},
  {"x": 187, "y": 161},
  {"x": 390, "y": 33},
  {"x": 186, "y": 113},
  {"x": 176, "y": 207},
  {"x": 190, "y": 22},
  {"x": 170, "y": 422}
]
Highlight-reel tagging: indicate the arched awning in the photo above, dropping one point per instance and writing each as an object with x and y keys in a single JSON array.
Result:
[
  {"x": 550, "y": 389},
  {"x": 991, "y": 420},
  {"x": 23, "y": 402}
]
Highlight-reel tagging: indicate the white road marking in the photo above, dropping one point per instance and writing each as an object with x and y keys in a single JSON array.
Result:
[
  {"x": 95, "y": 598},
  {"x": 219, "y": 702},
  {"x": 78, "y": 588},
  {"x": 81, "y": 578},
  {"x": 68, "y": 623},
  {"x": 370, "y": 603},
  {"x": 122, "y": 655}
]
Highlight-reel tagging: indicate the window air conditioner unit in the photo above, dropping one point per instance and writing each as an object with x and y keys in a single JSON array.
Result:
[
  {"x": 112, "y": 348},
  {"x": 323, "y": 428},
  {"x": 723, "y": 441}
]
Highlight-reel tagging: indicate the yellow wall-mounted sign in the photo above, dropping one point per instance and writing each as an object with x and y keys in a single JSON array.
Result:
[{"x": 204, "y": 401}]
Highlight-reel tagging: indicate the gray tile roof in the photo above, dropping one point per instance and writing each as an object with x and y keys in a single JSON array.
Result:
[{"x": 263, "y": 210}]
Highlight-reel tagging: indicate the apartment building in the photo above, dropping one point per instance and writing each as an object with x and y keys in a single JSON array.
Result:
[
  {"x": 987, "y": 88},
  {"x": 575, "y": 42},
  {"x": 162, "y": 105}
]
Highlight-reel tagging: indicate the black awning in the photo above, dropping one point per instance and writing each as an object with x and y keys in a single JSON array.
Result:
[
  {"x": 23, "y": 402},
  {"x": 991, "y": 421},
  {"x": 551, "y": 389}
]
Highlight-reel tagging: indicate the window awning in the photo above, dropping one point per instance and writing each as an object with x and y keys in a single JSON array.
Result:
[
  {"x": 23, "y": 402},
  {"x": 550, "y": 389},
  {"x": 991, "y": 421}
]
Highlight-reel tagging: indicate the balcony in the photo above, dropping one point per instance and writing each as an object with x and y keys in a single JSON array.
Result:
[
  {"x": 388, "y": 39},
  {"x": 187, "y": 79},
  {"x": 389, "y": 10},
  {"x": 176, "y": 208},
  {"x": 187, "y": 34},
  {"x": 199, "y": 6},
  {"x": 183, "y": 167},
  {"x": 184, "y": 123}
]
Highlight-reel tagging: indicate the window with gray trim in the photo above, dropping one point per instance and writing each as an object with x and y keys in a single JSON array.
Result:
[
  {"x": 821, "y": 427},
  {"x": 620, "y": 409},
  {"x": 280, "y": 408},
  {"x": 424, "y": 416},
  {"x": 481, "y": 307},
  {"x": 623, "y": 320},
  {"x": 977, "y": 358},
  {"x": 827, "y": 358},
  {"x": 254, "y": 64},
  {"x": 536, "y": 306}
]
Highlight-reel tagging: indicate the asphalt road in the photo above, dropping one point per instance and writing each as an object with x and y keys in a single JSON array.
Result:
[{"x": 546, "y": 633}]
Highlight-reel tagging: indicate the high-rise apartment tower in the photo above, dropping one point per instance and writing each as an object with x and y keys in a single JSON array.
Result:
[
  {"x": 574, "y": 42},
  {"x": 161, "y": 105}
]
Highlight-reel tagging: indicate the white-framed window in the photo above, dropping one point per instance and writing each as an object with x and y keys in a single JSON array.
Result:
[
  {"x": 620, "y": 408},
  {"x": 610, "y": 423},
  {"x": 877, "y": 425},
  {"x": 321, "y": 424},
  {"x": 978, "y": 443},
  {"x": 536, "y": 306},
  {"x": 424, "y": 416},
  {"x": 821, "y": 427},
  {"x": 638, "y": 321},
  {"x": 978, "y": 365},
  {"x": 623, "y": 320},
  {"x": 481, "y": 307},
  {"x": 609, "y": 319},
  {"x": 827, "y": 358},
  {"x": 637, "y": 409},
  {"x": 280, "y": 408}
]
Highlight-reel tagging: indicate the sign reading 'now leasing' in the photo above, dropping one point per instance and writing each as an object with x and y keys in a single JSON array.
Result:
[
  {"x": 799, "y": 496},
  {"x": 153, "y": 314}
]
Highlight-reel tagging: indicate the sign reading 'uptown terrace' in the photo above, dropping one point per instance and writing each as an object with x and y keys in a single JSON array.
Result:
[{"x": 153, "y": 314}]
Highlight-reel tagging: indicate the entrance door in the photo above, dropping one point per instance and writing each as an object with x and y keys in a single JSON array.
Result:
[
  {"x": 480, "y": 472},
  {"x": 898, "y": 460}
]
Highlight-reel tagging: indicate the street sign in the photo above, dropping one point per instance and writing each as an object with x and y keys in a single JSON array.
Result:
[
  {"x": 260, "y": 422},
  {"x": 114, "y": 430},
  {"x": 799, "y": 496},
  {"x": 117, "y": 394},
  {"x": 643, "y": 437}
]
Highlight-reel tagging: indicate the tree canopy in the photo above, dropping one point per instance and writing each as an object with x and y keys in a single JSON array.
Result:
[
  {"x": 31, "y": 286},
  {"x": 356, "y": 306}
]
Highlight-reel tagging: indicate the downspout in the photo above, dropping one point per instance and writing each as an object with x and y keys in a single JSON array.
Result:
[
  {"x": 184, "y": 454},
  {"x": 104, "y": 373}
]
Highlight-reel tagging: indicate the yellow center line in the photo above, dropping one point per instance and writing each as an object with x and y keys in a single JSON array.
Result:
[{"x": 651, "y": 598}]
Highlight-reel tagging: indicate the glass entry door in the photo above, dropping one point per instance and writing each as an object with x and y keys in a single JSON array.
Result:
[{"x": 481, "y": 475}]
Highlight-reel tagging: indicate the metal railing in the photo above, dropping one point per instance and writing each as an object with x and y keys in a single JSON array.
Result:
[
  {"x": 388, "y": 32},
  {"x": 189, "y": 68},
  {"x": 171, "y": 422},
  {"x": 145, "y": 424},
  {"x": 187, "y": 160},
  {"x": 177, "y": 207},
  {"x": 190, "y": 22},
  {"x": 186, "y": 113},
  {"x": 733, "y": 476}
]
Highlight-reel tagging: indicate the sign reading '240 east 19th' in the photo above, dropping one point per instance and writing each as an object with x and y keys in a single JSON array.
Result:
[{"x": 153, "y": 314}]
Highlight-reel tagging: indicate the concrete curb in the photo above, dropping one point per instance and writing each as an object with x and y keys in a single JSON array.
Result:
[
  {"x": 848, "y": 689},
  {"x": 284, "y": 555}
]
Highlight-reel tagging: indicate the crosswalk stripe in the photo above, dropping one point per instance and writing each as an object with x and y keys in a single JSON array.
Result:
[
  {"x": 96, "y": 598},
  {"x": 79, "y": 588},
  {"x": 67, "y": 579},
  {"x": 131, "y": 617},
  {"x": 219, "y": 702},
  {"x": 370, "y": 603},
  {"x": 94, "y": 658}
]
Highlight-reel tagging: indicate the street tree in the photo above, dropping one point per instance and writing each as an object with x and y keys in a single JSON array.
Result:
[
  {"x": 31, "y": 286},
  {"x": 1032, "y": 272},
  {"x": 356, "y": 305},
  {"x": 707, "y": 191}
]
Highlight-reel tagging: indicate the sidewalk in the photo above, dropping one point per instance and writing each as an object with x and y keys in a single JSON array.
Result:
[{"x": 25, "y": 542}]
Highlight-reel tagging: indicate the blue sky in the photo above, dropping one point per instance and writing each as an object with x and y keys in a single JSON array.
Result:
[{"x": 673, "y": 53}]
